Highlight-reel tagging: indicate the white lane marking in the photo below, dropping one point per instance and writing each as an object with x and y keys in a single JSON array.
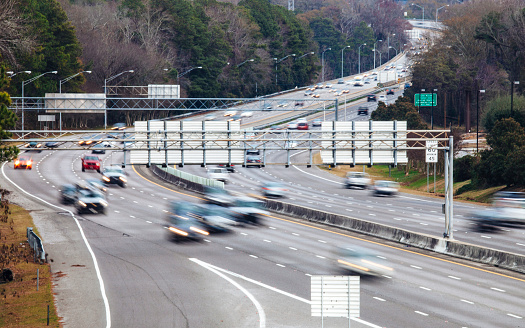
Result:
[
  {"x": 425, "y": 288},
  {"x": 135, "y": 202},
  {"x": 244, "y": 234},
  {"x": 422, "y": 313},
  {"x": 295, "y": 234},
  {"x": 422, "y": 223},
  {"x": 497, "y": 289},
  {"x": 381, "y": 257},
  {"x": 371, "y": 214},
  {"x": 117, "y": 211},
  {"x": 260, "y": 310},
  {"x": 488, "y": 237},
  {"x": 266, "y": 240},
  {"x": 307, "y": 274},
  {"x": 150, "y": 205},
  {"x": 88, "y": 246},
  {"x": 416, "y": 267},
  {"x": 208, "y": 241},
  {"x": 280, "y": 265},
  {"x": 469, "y": 302},
  {"x": 131, "y": 216},
  {"x": 149, "y": 222},
  {"x": 513, "y": 315},
  {"x": 292, "y": 248},
  {"x": 321, "y": 241},
  {"x": 231, "y": 249},
  {"x": 520, "y": 244},
  {"x": 272, "y": 228},
  {"x": 379, "y": 299},
  {"x": 454, "y": 277},
  {"x": 321, "y": 257},
  {"x": 255, "y": 257}
]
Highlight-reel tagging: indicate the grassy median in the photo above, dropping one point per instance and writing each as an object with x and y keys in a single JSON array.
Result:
[{"x": 21, "y": 304}]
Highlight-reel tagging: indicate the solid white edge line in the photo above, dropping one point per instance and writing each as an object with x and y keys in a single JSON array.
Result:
[
  {"x": 260, "y": 310},
  {"x": 95, "y": 263}
]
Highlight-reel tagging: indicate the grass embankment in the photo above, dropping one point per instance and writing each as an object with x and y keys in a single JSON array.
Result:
[
  {"x": 21, "y": 305},
  {"x": 414, "y": 182}
]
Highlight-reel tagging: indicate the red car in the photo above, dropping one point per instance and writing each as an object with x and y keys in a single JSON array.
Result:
[
  {"x": 23, "y": 162},
  {"x": 302, "y": 126},
  {"x": 90, "y": 162}
]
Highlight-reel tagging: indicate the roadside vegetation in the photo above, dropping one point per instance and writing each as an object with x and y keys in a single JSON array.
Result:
[{"x": 21, "y": 304}]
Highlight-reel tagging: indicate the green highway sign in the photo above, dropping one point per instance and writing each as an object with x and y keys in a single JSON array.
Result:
[{"x": 425, "y": 99}]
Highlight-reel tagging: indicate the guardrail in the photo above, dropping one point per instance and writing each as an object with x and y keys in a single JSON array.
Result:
[
  {"x": 36, "y": 244},
  {"x": 185, "y": 180}
]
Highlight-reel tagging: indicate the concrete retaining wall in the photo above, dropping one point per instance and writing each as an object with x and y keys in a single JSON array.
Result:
[
  {"x": 179, "y": 182},
  {"x": 514, "y": 262}
]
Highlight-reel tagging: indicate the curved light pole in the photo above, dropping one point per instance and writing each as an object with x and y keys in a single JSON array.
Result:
[
  {"x": 380, "y": 63},
  {"x": 306, "y": 54},
  {"x": 388, "y": 44},
  {"x": 375, "y": 52},
  {"x": 105, "y": 93},
  {"x": 11, "y": 73},
  {"x": 248, "y": 60},
  {"x": 359, "y": 56},
  {"x": 423, "y": 16},
  {"x": 24, "y": 83},
  {"x": 394, "y": 49},
  {"x": 438, "y": 10},
  {"x": 342, "y": 60},
  {"x": 322, "y": 61},
  {"x": 69, "y": 78},
  {"x": 477, "y": 120},
  {"x": 186, "y": 72},
  {"x": 277, "y": 62}
]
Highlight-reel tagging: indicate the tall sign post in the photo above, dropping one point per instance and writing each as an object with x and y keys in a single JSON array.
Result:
[{"x": 431, "y": 157}]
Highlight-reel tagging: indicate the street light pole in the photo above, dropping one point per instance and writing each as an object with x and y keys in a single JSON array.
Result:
[
  {"x": 512, "y": 97},
  {"x": 306, "y": 54},
  {"x": 248, "y": 60},
  {"x": 437, "y": 12},
  {"x": 69, "y": 78},
  {"x": 105, "y": 94},
  {"x": 359, "y": 56},
  {"x": 11, "y": 73},
  {"x": 388, "y": 44},
  {"x": 477, "y": 121},
  {"x": 24, "y": 83},
  {"x": 186, "y": 72},
  {"x": 423, "y": 16},
  {"x": 342, "y": 60},
  {"x": 322, "y": 63},
  {"x": 277, "y": 62},
  {"x": 375, "y": 52}
]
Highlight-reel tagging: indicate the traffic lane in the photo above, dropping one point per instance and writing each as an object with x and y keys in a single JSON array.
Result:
[{"x": 150, "y": 285}]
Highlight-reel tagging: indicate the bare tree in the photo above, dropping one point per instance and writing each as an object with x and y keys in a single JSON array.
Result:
[{"x": 13, "y": 37}]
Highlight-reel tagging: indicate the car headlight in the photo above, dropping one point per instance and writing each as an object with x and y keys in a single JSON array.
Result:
[
  {"x": 104, "y": 203},
  {"x": 17, "y": 162},
  {"x": 197, "y": 230},
  {"x": 105, "y": 178},
  {"x": 123, "y": 179},
  {"x": 81, "y": 203},
  {"x": 178, "y": 231}
]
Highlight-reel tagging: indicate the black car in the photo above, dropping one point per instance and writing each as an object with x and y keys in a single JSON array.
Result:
[
  {"x": 68, "y": 194},
  {"x": 390, "y": 92},
  {"x": 35, "y": 145},
  {"x": 370, "y": 98},
  {"x": 114, "y": 175},
  {"x": 51, "y": 144},
  {"x": 254, "y": 161},
  {"x": 183, "y": 224},
  {"x": 362, "y": 110},
  {"x": 90, "y": 201}
]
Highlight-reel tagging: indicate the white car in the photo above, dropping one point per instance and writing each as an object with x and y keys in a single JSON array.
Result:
[
  {"x": 219, "y": 174},
  {"x": 246, "y": 114},
  {"x": 385, "y": 187},
  {"x": 230, "y": 113},
  {"x": 382, "y": 98},
  {"x": 292, "y": 125}
]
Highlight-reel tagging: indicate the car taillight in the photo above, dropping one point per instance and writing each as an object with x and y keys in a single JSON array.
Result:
[{"x": 17, "y": 162}]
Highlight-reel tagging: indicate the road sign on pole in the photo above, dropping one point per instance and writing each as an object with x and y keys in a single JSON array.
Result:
[
  {"x": 431, "y": 151},
  {"x": 425, "y": 99}
]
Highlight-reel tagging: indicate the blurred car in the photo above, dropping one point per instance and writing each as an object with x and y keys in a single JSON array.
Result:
[
  {"x": 253, "y": 152},
  {"x": 340, "y": 81},
  {"x": 390, "y": 91},
  {"x": 308, "y": 93},
  {"x": 23, "y": 162},
  {"x": 114, "y": 175},
  {"x": 34, "y": 146},
  {"x": 273, "y": 189},
  {"x": 51, "y": 144},
  {"x": 230, "y": 168},
  {"x": 358, "y": 83},
  {"x": 218, "y": 196},
  {"x": 90, "y": 201},
  {"x": 291, "y": 125},
  {"x": 219, "y": 174},
  {"x": 246, "y": 114},
  {"x": 98, "y": 149},
  {"x": 357, "y": 179},
  {"x": 68, "y": 194},
  {"x": 97, "y": 184},
  {"x": 370, "y": 98},
  {"x": 302, "y": 126},
  {"x": 235, "y": 117},
  {"x": 230, "y": 113},
  {"x": 508, "y": 210},
  {"x": 362, "y": 110},
  {"x": 209, "y": 117},
  {"x": 385, "y": 187},
  {"x": 362, "y": 261},
  {"x": 119, "y": 126},
  {"x": 299, "y": 103},
  {"x": 86, "y": 140},
  {"x": 90, "y": 162},
  {"x": 254, "y": 161},
  {"x": 382, "y": 98},
  {"x": 213, "y": 218},
  {"x": 317, "y": 122},
  {"x": 182, "y": 225},
  {"x": 247, "y": 210}
]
